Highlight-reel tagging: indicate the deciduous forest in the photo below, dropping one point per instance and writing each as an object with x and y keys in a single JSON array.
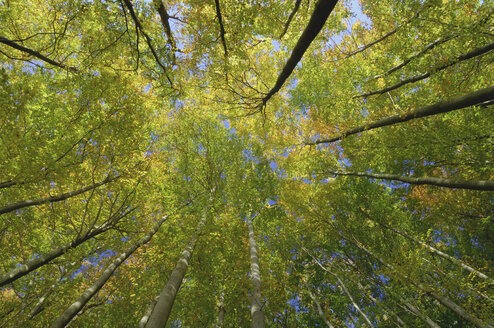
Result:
[{"x": 256, "y": 163}]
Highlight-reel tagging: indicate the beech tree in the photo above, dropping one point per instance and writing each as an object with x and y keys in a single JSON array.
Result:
[{"x": 246, "y": 163}]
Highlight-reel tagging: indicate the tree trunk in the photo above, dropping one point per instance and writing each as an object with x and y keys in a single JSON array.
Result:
[
  {"x": 162, "y": 310},
  {"x": 73, "y": 309},
  {"x": 147, "y": 314},
  {"x": 471, "y": 99},
  {"x": 438, "y": 252},
  {"x": 442, "y": 299},
  {"x": 321, "y": 13},
  {"x": 255, "y": 300},
  {"x": 221, "y": 310},
  {"x": 485, "y": 185},
  {"x": 320, "y": 311},
  {"x": 345, "y": 290}
]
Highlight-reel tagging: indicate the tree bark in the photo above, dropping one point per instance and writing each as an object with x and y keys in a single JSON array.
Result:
[
  {"x": 292, "y": 14},
  {"x": 221, "y": 310},
  {"x": 438, "y": 252},
  {"x": 417, "y": 55},
  {"x": 321, "y": 13},
  {"x": 441, "y": 299},
  {"x": 77, "y": 306},
  {"x": 255, "y": 299},
  {"x": 222, "y": 27},
  {"x": 345, "y": 290},
  {"x": 484, "y": 185},
  {"x": 52, "y": 199},
  {"x": 147, "y": 314},
  {"x": 471, "y": 99},
  {"x": 318, "y": 307},
  {"x": 163, "y": 308}
]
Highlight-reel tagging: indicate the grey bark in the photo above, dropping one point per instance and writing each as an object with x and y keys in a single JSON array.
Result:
[
  {"x": 405, "y": 303},
  {"x": 378, "y": 303},
  {"x": 77, "y": 306},
  {"x": 442, "y": 299},
  {"x": 484, "y": 185},
  {"x": 162, "y": 310},
  {"x": 147, "y": 314},
  {"x": 255, "y": 299},
  {"x": 320, "y": 311},
  {"x": 470, "y": 99},
  {"x": 419, "y": 314},
  {"x": 221, "y": 310},
  {"x": 52, "y": 199},
  {"x": 438, "y": 252},
  {"x": 345, "y": 290}
]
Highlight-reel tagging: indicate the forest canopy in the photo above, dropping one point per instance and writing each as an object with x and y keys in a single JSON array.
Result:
[{"x": 261, "y": 163}]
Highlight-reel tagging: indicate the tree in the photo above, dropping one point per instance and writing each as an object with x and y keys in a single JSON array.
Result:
[{"x": 246, "y": 163}]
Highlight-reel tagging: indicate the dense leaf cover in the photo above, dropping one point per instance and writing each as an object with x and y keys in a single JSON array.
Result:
[{"x": 316, "y": 163}]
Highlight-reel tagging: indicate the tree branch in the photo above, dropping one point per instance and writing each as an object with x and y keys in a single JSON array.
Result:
[
  {"x": 471, "y": 99},
  {"x": 292, "y": 14},
  {"x": 316, "y": 23},
  {"x": 472, "y": 54},
  {"x": 35, "y": 54},
  {"x": 52, "y": 199},
  {"x": 222, "y": 28}
]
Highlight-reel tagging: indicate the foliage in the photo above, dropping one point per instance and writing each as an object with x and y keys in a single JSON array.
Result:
[{"x": 95, "y": 91}]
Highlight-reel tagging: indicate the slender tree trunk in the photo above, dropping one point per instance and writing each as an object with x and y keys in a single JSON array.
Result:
[
  {"x": 320, "y": 311},
  {"x": 399, "y": 321},
  {"x": 221, "y": 310},
  {"x": 35, "y": 263},
  {"x": 442, "y": 299},
  {"x": 52, "y": 199},
  {"x": 471, "y": 99},
  {"x": 485, "y": 185},
  {"x": 147, "y": 314},
  {"x": 162, "y": 310},
  {"x": 73, "y": 309},
  {"x": 40, "y": 305},
  {"x": 255, "y": 300},
  {"x": 438, "y": 252},
  {"x": 419, "y": 314},
  {"x": 345, "y": 290},
  {"x": 404, "y": 302}
]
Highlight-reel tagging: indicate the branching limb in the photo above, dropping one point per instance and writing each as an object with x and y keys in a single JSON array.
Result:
[
  {"x": 292, "y": 14},
  {"x": 321, "y": 13},
  {"x": 35, "y": 54},
  {"x": 415, "y": 56},
  {"x": 52, "y": 199},
  {"x": 138, "y": 24}
]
